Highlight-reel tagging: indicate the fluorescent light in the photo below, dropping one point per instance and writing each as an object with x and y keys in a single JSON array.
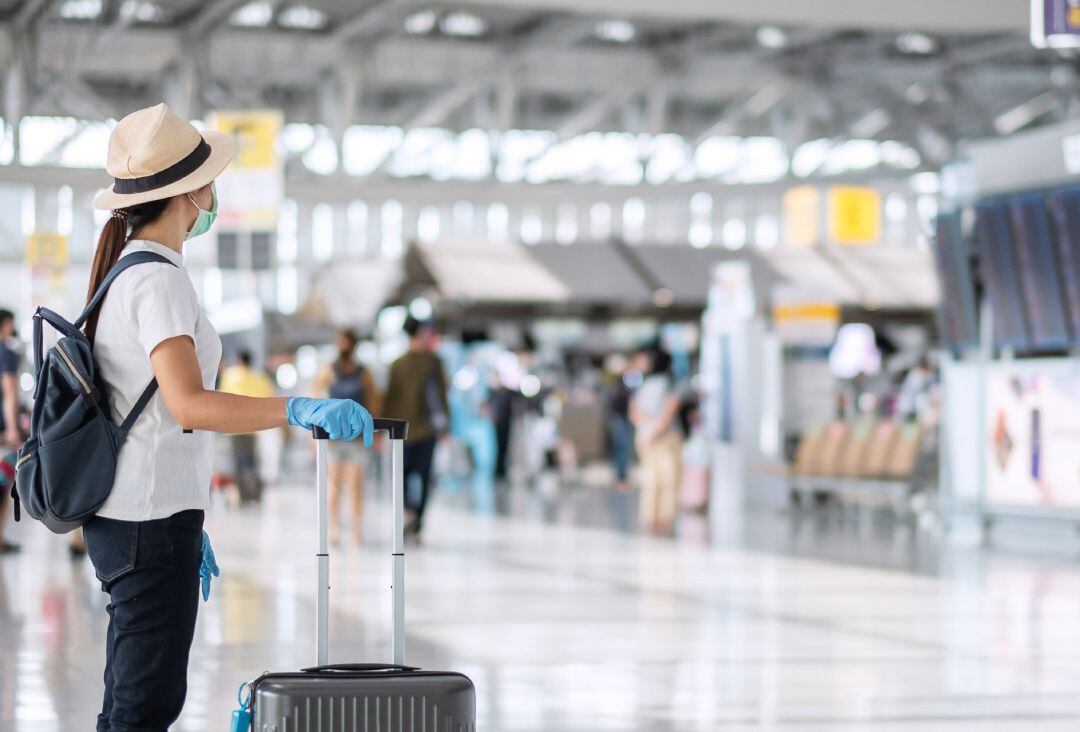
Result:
[
  {"x": 871, "y": 124},
  {"x": 916, "y": 43},
  {"x": 303, "y": 17},
  {"x": 80, "y": 9},
  {"x": 615, "y": 31},
  {"x": 144, "y": 12},
  {"x": 253, "y": 15},
  {"x": 463, "y": 24},
  {"x": 1024, "y": 114},
  {"x": 770, "y": 36},
  {"x": 420, "y": 23}
]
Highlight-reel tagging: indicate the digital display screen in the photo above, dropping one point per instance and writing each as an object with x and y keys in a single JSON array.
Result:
[
  {"x": 957, "y": 312},
  {"x": 1065, "y": 212},
  {"x": 1035, "y": 251},
  {"x": 999, "y": 272}
]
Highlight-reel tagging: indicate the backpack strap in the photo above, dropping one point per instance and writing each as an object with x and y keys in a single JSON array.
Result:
[
  {"x": 140, "y": 405},
  {"x": 128, "y": 260}
]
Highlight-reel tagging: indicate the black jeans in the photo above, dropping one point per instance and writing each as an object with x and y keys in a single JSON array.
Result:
[
  {"x": 150, "y": 569},
  {"x": 417, "y": 457}
]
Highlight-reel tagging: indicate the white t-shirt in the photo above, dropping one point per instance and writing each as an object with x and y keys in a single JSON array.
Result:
[
  {"x": 160, "y": 470},
  {"x": 650, "y": 399}
]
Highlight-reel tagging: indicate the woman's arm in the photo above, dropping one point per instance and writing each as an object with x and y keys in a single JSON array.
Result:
[{"x": 196, "y": 408}]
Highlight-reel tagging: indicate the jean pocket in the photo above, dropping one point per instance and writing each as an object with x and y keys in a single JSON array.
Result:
[{"x": 112, "y": 546}]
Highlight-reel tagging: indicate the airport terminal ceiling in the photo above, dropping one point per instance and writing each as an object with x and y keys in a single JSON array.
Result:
[{"x": 922, "y": 74}]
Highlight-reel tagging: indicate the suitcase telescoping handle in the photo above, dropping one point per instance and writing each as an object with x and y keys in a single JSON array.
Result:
[{"x": 397, "y": 430}]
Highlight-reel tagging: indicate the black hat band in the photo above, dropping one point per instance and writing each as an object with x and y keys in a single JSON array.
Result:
[{"x": 188, "y": 165}]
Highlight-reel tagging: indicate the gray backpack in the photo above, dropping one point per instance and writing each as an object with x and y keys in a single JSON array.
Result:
[{"x": 65, "y": 470}]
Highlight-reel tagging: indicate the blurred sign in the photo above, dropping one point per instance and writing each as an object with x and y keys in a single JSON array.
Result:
[
  {"x": 807, "y": 323},
  {"x": 251, "y": 190},
  {"x": 1055, "y": 23},
  {"x": 854, "y": 215},
  {"x": 47, "y": 249},
  {"x": 802, "y": 216},
  {"x": 1033, "y": 424}
]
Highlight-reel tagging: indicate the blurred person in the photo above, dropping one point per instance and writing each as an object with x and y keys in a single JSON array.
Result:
[
  {"x": 239, "y": 378},
  {"x": 347, "y": 462},
  {"x": 147, "y": 542},
  {"x": 914, "y": 389},
  {"x": 9, "y": 415},
  {"x": 416, "y": 391},
  {"x": 654, "y": 410},
  {"x": 620, "y": 431}
]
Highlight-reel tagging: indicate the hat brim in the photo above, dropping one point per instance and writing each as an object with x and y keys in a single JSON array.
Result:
[{"x": 222, "y": 151}]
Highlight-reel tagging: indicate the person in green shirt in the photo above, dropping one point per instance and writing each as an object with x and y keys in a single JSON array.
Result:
[{"x": 416, "y": 392}]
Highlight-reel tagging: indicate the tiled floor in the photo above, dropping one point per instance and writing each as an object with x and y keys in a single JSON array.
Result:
[{"x": 573, "y": 629}]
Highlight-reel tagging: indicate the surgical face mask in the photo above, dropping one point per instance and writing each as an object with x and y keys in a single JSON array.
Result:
[{"x": 205, "y": 219}]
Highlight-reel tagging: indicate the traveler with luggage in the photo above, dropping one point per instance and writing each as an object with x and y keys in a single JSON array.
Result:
[
  {"x": 416, "y": 392},
  {"x": 654, "y": 411},
  {"x": 156, "y": 355},
  {"x": 9, "y": 417},
  {"x": 346, "y": 378}
]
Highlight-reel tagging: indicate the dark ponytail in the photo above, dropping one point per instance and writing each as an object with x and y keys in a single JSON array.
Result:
[{"x": 118, "y": 230}]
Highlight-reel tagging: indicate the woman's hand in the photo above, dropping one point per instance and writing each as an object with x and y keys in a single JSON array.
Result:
[{"x": 343, "y": 419}]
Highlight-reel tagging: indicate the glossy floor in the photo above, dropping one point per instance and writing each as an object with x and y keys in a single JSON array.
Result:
[{"x": 571, "y": 628}]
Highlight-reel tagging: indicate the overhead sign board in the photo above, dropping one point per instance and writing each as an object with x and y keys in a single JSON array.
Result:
[
  {"x": 1055, "y": 23},
  {"x": 854, "y": 215},
  {"x": 252, "y": 188}
]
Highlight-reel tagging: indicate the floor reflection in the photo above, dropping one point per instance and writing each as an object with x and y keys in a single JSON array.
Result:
[{"x": 569, "y": 620}]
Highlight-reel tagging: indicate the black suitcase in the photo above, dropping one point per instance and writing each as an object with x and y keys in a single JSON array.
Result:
[{"x": 363, "y": 697}]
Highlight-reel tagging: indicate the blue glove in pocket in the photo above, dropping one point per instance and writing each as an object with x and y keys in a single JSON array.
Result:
[{"x": 208, "y": 569}]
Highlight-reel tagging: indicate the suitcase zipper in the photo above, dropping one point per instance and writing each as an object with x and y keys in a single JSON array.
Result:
[{"x": 74, "y": 371}]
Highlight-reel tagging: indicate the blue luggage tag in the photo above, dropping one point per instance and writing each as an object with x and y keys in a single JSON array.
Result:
[{"x": 241, "y": 718}]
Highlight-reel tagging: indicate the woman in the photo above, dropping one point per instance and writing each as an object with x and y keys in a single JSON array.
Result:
[
  {"x": 146, "y": 543},
  {"x": 653, "y": 411},
  {"x": 346, "y": 378}
]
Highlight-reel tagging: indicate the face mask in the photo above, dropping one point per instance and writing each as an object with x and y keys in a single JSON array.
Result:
[{"x": 205, "y": 219}]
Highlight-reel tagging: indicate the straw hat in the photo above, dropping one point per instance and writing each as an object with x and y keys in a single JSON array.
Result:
[{"x": 153, "y": 154}]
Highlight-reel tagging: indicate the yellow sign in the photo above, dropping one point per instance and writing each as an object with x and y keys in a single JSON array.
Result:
[
  {"x": 802, "y": 216},
  {"x": 854, "y": 215},
  {"x": 256, "y": 134},
  {"x": 47, "y": 249},
  {"x": 806, "y": 311},
  {"x": 251, "y": 190}
]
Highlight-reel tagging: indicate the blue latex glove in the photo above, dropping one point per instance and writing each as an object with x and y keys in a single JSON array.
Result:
[
  {"x": 343, "y": 419},
  {"x": 208, "y": 569}
]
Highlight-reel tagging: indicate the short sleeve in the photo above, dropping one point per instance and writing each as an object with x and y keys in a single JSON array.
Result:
[
  {"x": 9, "y": 361},
  {"x": 163, "y": 306}
]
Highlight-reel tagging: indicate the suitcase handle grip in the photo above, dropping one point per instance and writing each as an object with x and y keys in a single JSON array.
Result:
[
  {"x": 398, "y": 429},
  {"x": 363, "y": 667}
]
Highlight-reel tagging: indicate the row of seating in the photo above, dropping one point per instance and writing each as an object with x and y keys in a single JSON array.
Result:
[{"x": 862, "y": 459}]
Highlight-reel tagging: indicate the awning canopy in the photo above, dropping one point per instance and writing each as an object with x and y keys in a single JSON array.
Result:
[
  {"x": 349, "y": 294},
  {"x": 594, "y": 273},
  {"x": 485, "y": 272},
  {"x": 686, "y": 272}
]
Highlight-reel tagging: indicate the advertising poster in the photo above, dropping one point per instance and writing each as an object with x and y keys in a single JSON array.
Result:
[
  {"x": 1033, "y": 424},
  {"x": 1055, "y": 23}
]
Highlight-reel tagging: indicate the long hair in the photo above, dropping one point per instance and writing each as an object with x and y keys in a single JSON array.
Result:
[
  {"x": 114, "y": 237},
  {"x": 348, "y": 357}
]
